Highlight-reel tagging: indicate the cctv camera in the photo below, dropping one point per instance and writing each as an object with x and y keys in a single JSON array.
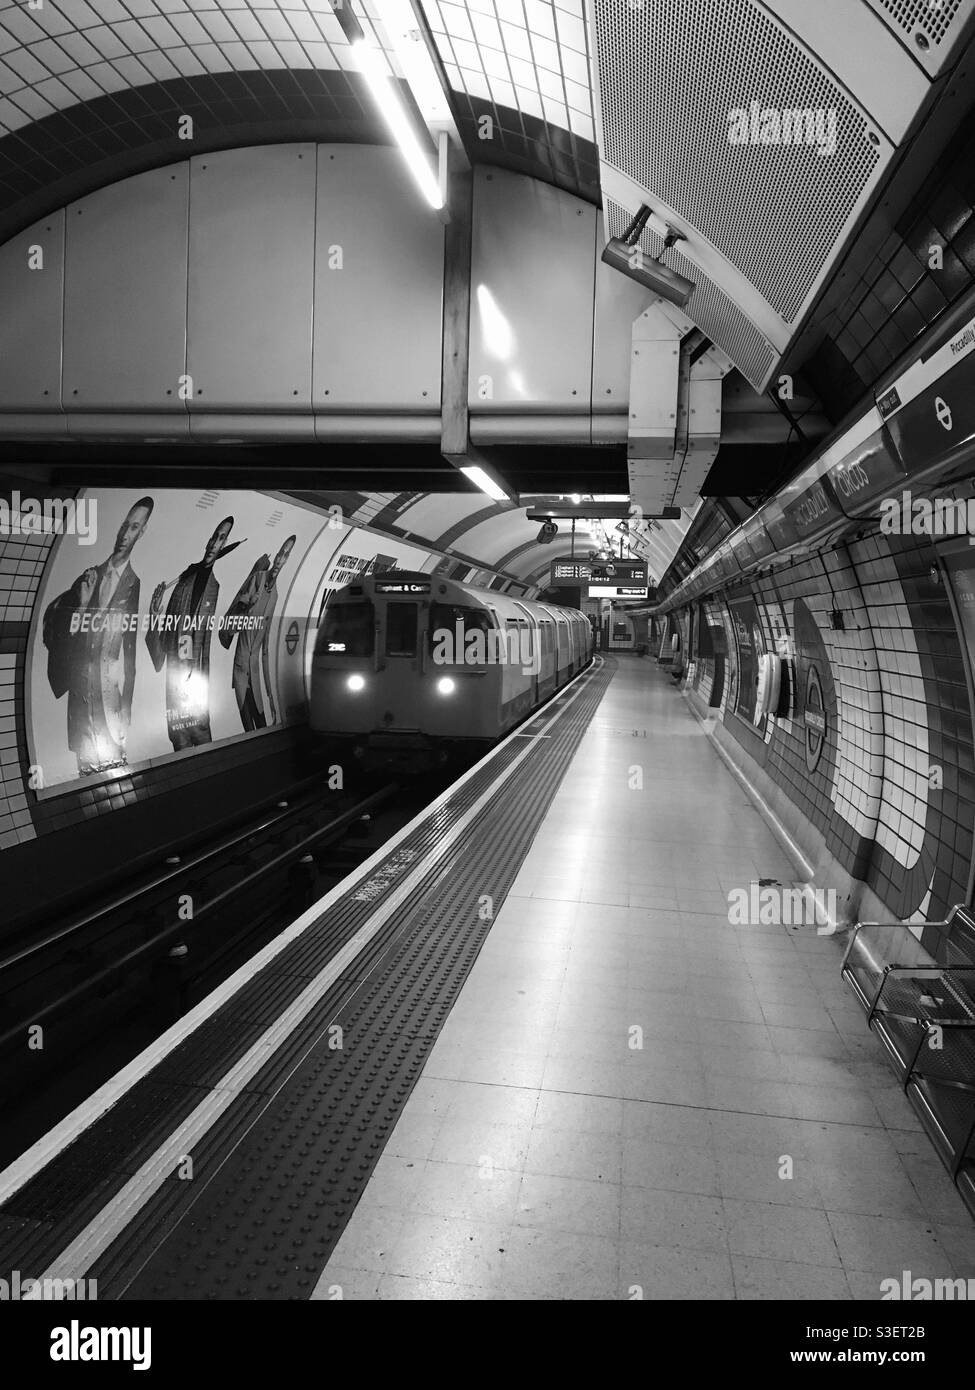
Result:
[
  {"x": 652, "y": 275},
  {"x": 548, "y": 532}
]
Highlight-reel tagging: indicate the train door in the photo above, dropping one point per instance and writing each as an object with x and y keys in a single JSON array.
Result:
[
  {"x": 530, "y": 651},
  {"x": 548, "y": 629},
  {"x": 499, "y": 682},
  {"x": 563, "y": 652},
  {"x": 400, "y": 637}
]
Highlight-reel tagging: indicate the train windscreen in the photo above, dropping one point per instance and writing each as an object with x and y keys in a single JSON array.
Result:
[
  {"x": 401, "y": 629},
  {"x": 347, "y": 630}
]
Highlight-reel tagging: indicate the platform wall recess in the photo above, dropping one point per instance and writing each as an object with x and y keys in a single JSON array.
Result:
[{"x": 875, "y": 753}]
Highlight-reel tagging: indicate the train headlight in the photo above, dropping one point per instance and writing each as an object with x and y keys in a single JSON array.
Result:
[
  {"x": 356, "y": 683},
  {"x": 445, "y": 685}
]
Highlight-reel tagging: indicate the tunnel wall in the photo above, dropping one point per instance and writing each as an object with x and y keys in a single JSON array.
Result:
[
  {"x": 52, "y": 818},
  {"x": 878, "y": 789}
]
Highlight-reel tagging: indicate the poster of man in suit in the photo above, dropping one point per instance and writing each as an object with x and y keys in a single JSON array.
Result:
[
  {"x": 181, "y": 641},
  {"x": 256, "y": 601},
  {"x": 90, "y": 634},
  {"x": 135, "y": 669}
]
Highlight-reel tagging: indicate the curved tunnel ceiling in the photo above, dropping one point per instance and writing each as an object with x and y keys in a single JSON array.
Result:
[
  {"x": 94, "y": 90},
  {"x": 502, "y": 538}
]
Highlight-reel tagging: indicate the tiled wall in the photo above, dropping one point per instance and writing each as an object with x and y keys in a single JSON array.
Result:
[
  {"x": 892, "y": 673},
  {"x": 870, "y": 323},
  {"x": 21, "y": 566}
]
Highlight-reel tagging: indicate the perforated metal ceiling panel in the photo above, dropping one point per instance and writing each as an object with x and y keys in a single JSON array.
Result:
[
  {"x": 930, "y": 28},
  {"x": 671, "y": 72}
]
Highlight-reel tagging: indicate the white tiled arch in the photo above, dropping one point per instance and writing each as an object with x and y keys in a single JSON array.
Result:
[{"x": 531, "y": 55}]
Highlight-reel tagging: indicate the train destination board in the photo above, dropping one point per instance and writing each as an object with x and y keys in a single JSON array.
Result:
[{"x": 569, "y": 574}]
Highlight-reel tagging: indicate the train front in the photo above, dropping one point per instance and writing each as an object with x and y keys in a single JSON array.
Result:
[{"x": 378, "y": 677}]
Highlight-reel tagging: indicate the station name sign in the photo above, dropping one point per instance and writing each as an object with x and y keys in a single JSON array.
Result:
[{"x": 930, "y": 409}]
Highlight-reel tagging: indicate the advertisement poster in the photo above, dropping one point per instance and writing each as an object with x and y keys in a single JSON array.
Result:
[
  {"x": 750, "y": 647},
  {"x": 166, "y": 628}
]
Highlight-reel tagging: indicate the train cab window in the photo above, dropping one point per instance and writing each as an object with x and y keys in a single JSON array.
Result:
[
  {"x": 347, "y": 630},
  {"x": 401, "y": 629}
]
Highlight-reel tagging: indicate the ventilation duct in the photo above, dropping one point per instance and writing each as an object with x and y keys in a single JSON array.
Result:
[{"x": 675, "y": 409}]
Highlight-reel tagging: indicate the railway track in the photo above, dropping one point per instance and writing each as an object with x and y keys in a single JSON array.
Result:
[{"x": 81, "y": 997}]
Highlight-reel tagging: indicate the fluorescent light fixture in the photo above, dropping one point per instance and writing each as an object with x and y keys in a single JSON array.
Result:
[
  {"x": 386, "y": 96},
  {"x": 487, "y": 484},
  {"x": 402, "y": 27}
]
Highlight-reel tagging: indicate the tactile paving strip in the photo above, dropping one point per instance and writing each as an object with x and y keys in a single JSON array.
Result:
[{"x": 277, "y": 1178}]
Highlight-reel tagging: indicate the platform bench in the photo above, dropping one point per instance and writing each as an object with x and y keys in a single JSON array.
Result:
[{"x": 920, "y": 1002}]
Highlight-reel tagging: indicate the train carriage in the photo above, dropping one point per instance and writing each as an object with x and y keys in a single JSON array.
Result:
[{"x": 411, "y": 666}]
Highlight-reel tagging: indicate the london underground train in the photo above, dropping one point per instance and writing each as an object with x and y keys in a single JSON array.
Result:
[{"x": 413, "y": 666}]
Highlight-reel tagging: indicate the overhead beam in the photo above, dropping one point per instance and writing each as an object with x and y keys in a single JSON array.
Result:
[
  {"x": 455, "y": 437},
  {"x": 455, "y": 421},
  {"x": 600, "y": 511}
]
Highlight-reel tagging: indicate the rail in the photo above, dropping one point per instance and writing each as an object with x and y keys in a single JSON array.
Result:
[{"x": 155, "y": 943}]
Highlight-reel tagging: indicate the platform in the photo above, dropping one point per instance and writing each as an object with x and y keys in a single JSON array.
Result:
[
  {"x": 541, "y": 1156},
  {"x": 520, "y": 1053}
]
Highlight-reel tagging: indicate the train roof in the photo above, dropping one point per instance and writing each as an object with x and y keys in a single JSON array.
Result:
[{"x": 441, "y": 586}]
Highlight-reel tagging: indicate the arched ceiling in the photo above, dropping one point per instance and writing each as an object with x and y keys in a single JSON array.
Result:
[
  {"x": 94, "y": 89},
  {"x": 529, "y": 55},
  {"x": 501, "y": 537}
]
